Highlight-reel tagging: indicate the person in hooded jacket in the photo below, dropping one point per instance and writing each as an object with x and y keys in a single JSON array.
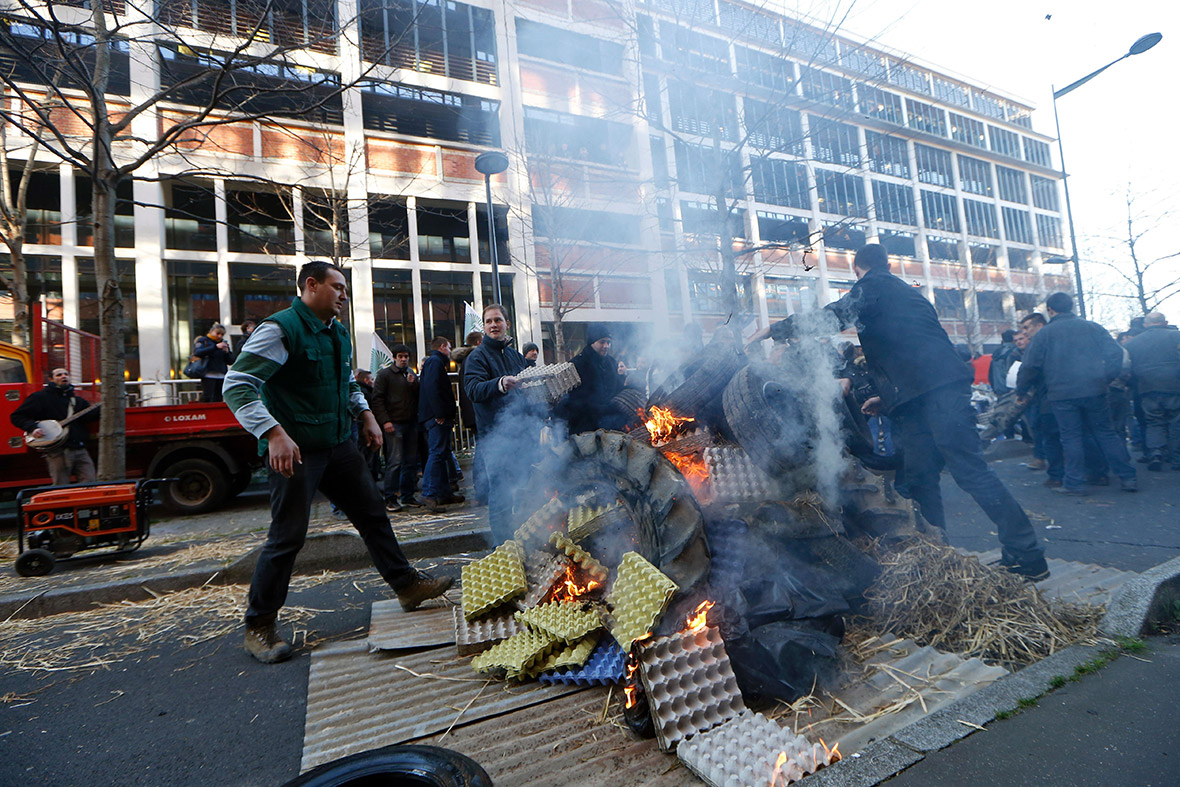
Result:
[
  {"x": 56, "y": 402},
  {"x": 506, "y": 439},
  {"x": 589, "y": 405}
]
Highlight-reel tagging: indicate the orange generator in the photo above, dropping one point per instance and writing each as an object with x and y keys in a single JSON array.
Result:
[{"x": 60, "y": 522}]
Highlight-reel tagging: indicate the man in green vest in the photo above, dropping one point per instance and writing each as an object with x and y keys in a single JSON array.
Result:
[{"x": 292, "y": 387}]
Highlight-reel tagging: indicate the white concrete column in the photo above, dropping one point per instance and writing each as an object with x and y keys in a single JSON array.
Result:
[
  {"x": 473, "y": 239},
  {"x": 416, "y": 278},
  {"x": 69, "y": 242},
  {"x": 221, "y": 232}
]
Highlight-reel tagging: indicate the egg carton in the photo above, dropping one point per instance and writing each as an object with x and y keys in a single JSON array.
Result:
[
  {"x": 567, "y": 621},
  {"x": 689, "y": 683},
  {"x": 543, "y": 571},
  {"x": 476, "y": 636},
  {"x": 493, "y": 580},
  {"x": 548, "y": 383},
  {"x": 733, "y": 476},
  {"x": 516, "y": 656},
  {"x": 585, "y": 521},
  {"x": 637, "y": 599},
  {"x": 573, "y": 655},
  {"x": 746, "y": 749},
  {"x": 605, "y": 666},
  {"x": 549, "y": 518},
  {"x": 584, "y": 559},
  {"x": 728, "y": 546}
]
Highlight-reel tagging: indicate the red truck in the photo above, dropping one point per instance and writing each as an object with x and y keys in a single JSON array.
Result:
[{"x": 202, "y": 445}]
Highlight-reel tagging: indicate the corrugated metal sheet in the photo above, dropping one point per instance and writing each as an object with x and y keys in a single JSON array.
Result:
[
  {"x": 357, "y": 700},
  {"x": 1080, "y": 583},
  {"x": 430, "y": 625}
]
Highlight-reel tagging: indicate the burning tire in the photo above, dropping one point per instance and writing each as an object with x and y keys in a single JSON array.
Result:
[
  {"x": 763, "y": 415},
  {"x": 432, "y": 766},
  {"x": 669, "y": 528},
  {"x": 704, "y": 381}
]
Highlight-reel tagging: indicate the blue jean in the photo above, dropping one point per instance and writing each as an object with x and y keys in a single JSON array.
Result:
[
  {"x": 1074, "y": 417},
  {"x": 434, "y": 478},
  {"x": 1049, "y": 436},
  {"x": 401, "y": 462},
  {"x": 937, "y": 430}
]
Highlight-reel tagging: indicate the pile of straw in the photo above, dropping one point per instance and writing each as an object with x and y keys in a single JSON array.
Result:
[{"x": 933, "y": 595}]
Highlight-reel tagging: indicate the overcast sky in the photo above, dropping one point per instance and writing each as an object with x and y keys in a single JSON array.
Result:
[{"x": 1120, "y": 128}]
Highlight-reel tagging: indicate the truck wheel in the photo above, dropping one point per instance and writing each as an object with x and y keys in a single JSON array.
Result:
[
  {"x": 399, "y": 764},
  {"x": 202, "y": 486},
  {"x": 35, "y": 562}
]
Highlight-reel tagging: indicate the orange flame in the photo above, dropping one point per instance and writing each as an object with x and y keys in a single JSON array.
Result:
[
  {"x": 776, "y": 771},
  {"x": 662, "y": 424},
  {"x": 692, "y": 467},
  {"x": 834, "y": 754},
  {"x": 569, "y": 590},
  {"x": 698, "y": 618},
  {"x": 631, "y": 688}
]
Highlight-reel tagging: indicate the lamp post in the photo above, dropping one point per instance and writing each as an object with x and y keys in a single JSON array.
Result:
[
  {"x": 492, "y": 163},
  {"x": 1139, "y": 47}
]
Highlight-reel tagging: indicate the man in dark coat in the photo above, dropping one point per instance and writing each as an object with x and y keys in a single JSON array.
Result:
[
  {"x": 589, "y": 405},
  {"x": 1002, "y": 360},
  {"x": 1155, "y": 366},
  {"x": 925, "y": 388},
  {"x": 395, "y": 405},
  {"x": 57, "y": 401},
  {"x": 1077, "y": 360},
  {"x": 506, "y": 441},
  {"x": 436, "y": 414}
]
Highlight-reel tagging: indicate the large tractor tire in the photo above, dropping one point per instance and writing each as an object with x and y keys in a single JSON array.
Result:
[
  {"x": 429, "y": 766},
  {"x": 669, "y": 528},
  {"x": 764, "y": 416},
  {"x": 704, "y": 381}
]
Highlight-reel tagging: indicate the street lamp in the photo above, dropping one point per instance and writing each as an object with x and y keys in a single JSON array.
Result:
[
  {"x": 492, "y": 163},
  {"x": 1139, "y": 47}
]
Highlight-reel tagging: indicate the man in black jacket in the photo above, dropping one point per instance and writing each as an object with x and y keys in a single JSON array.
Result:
[
  {"x": 395, "y": 404},
  {"x": 1077, "y": 360},
  {"x": 1155, "y": 365},
  {"x": 925, "y": 388},
  {"x": 436, "y": 414},
  {"x": 589, "y": 405},
  {"x": 506, "y": 441},
  {"x": 57, "y": 402}
]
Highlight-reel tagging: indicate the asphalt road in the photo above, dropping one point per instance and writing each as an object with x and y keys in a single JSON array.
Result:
[{"x": 177, "y": 714}]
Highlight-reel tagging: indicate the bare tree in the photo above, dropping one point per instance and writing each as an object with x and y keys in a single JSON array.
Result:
[
  {"x": 13, "y": 227},
  {"x": 1142, "y": 276},
  {"x": 68, "y": 87}
]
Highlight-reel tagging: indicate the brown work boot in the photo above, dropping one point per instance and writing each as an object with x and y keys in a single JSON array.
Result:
[
  {"x": 423, "y": 587},
  {"x": 432, "y": 505},
  {"x": 264, "y": 643}
]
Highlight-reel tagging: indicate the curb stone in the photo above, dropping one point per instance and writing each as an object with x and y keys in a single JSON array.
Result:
[
  {"x": 321, "y": 552},
  {"x": 1140, "y": 603}
]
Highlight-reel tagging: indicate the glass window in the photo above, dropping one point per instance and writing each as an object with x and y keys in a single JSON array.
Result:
[
  {"x": 942, "y": 249},
  {"x": 42, "y": 205},
  {"x": 260, "y": 222},
  {"x": 991, "y": 306},
  {"x": 551, "y": 221},
  {"x": 951, "y": 93},
  {"x": 1049, "y": 230},
  {"x": 694, "y": 50},
  {"x": 880, "y": 104},
  {"x": 705, "y": 293},
  {"x": 443, "y": 296},
  {"x": 934, "y": 166},
  {"x": 325, "y": 225},
  {"x": 190, "y": 218},
  {"x": 124, "y": 213},
  {"x": 826, "y": 88},
  {"x": 763, "y": 70},
  {"x": 258, "y": 291},
  {"x": 834, "y": 143},
  {"x": 566, "y": 47},
  {"x": 773, "y": 127},
  {"x": 898, "y": 244},
  {"x": 448, "y": 38},
  {"x": 701, "y": 218},
  {"x": 844, "y": 237},
  {"x": 840, "y": 194},
  {"x": 576, "y": 136},
  {"x": 749, "y": 23},
  {"x": 1011, "y": 185},
  {"x": 88, "y": 308},
  {"x": 1025, "y": 302},
  {"x": 950, "y": 304},
  {"x": 44, "y": 284},
  {"x": 696, "y": 110},
  {"x": 1019, "y": 260},
  {"x": 982, "y": 253},
  {"x": 697, "y": 169},
  {"x": 887, "y": 155},
  {"x": 779, "y": 182},
  {"x": 988, "y": 105},
  {"x": 981, "y": 218},
  {"x": 389, "y": 228},
  {"x": 506, "y": 279},
  {"x": 941, "y": 211},
  {"x": 500, "y": 217},
  {"x": 193, "y": 305},
  {"x": 907, "y": 76},
  {"x": 781, "y": 228},
  {"x": 1006, "y": 143},
  {"x": 925, "y": 117},
  {"x": 861, "y": 60},
  {"x": 1017, "y": 225},
  {"x": 393, "y": 307},
  {"x": 894, "y": 203},
  {"x": 1037, "y": 152},
  {"x": 975, "y": 176},
  {"x": 968, "y": 131},
  {"x": 1044, "y": 193},
  {"x": 443, "y": 235},
  {"x": 432, "y": 114}
]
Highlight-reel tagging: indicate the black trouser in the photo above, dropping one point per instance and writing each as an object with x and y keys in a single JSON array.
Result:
[
  {"x": 211, "y": 389},
  {"x": 937, "y": 430},
  {"x": 340, "y": 473}
]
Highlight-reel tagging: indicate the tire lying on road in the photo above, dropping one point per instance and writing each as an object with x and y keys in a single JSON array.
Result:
[
  {"x": 202, "y": 485},
  {"x": 430, "y": 766}
]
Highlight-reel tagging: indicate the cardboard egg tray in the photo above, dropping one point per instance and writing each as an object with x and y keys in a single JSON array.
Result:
[
  {"x": 516, "y": 656},
  {"x": 637, "y": 599},
  {"x": 585, "y": 521},
  {"x": 584, "y": 559},
  {"x": 605, "y": 665},
  {"x": 728, "y": 548},
  {"x": 690, "y": 684},
  {"x": 733, "y": 476},
  {"x": 573, "y": 655},
  {"x": 548, "y": 383},
  {"x": 535, "y": 532},
  {"x": 476, "y": 636},
  {"x": 543, "y": 571},
  {"x": 567, "y": 621},
  {"x": 492, "y": 580},
  {"x": 744, "y": 751}
]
